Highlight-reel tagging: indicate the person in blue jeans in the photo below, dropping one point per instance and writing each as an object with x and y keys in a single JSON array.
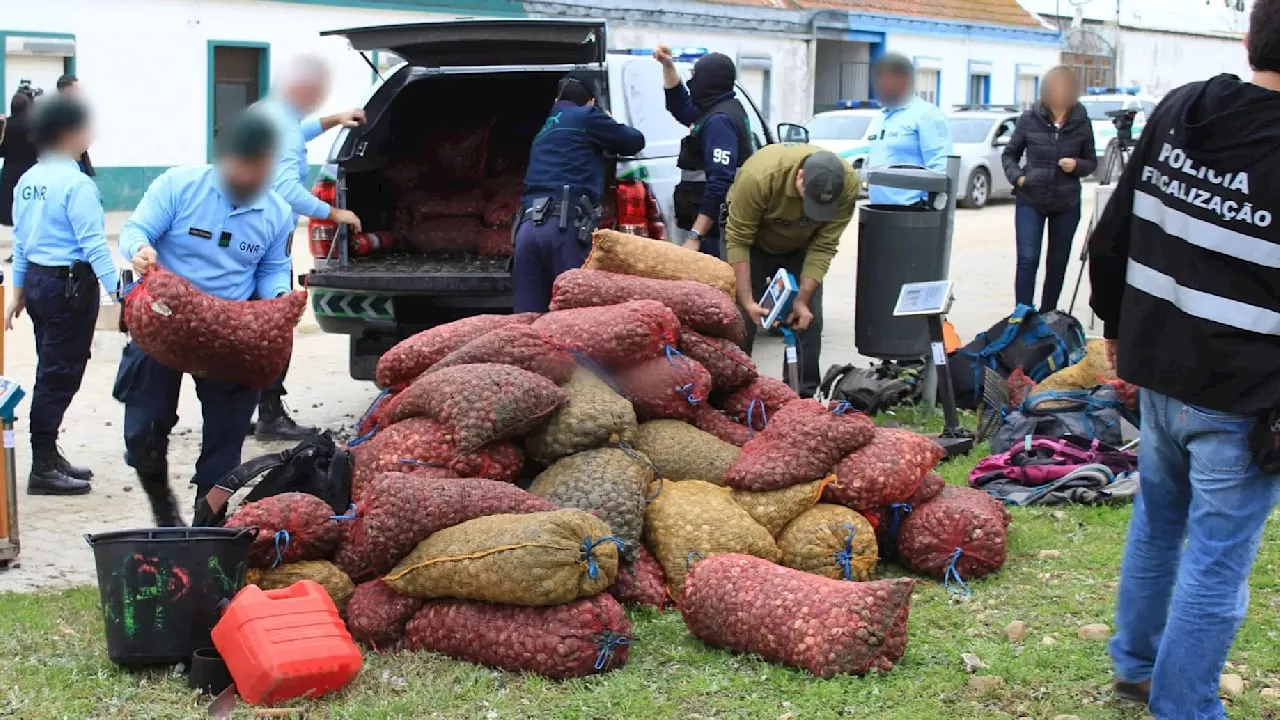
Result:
[
  {"x": 1056, "y": 140},
  {"x": 1184, "y": 266}
]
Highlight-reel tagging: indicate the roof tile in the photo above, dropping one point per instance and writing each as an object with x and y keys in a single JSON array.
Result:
[{"x": 995, "y": 12}]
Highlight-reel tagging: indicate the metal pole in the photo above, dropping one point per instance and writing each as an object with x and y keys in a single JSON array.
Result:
[
  {"x": 11, "y": 491},
  {"x": 929, "y": 393}
]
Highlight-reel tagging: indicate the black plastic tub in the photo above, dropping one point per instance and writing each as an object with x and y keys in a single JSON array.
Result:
[{"x": 163, "y": 589}]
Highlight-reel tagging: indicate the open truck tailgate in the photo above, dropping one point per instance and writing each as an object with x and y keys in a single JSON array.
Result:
[{"x": 481, "y": 43}]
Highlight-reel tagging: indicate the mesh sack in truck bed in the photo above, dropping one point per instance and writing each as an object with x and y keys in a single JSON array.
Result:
[
  {"x": 421, "y": 444},
  {"x": 543, "y": 558},
  {"x": 422, "y": 205},
  {"x": 479, "y": 404},
  {"x": 616, "y": 336},
  {"x": 832, "y": 541},
  {"x": 243, "y": 343},
  {"x": 887, "y": 470},
  {"x": 668, "y": 387},
  {"x": 519, "y": 346},
  {"x": 376, "y": 615},
  {"x": 410, "y": 357},
  {"x": 828, "y": 627},
  {"x": 457, "y": 155},
  {"x": 954, "y": 537},
  {"x": 291, "y": 527},
  {"x": 683, "y": 452},
  {"x": 625, "y": 254},
  {"x": 802, "y": 442},
  {"x": 608, "y": 482},
  {"x": 595, "y": 416},
  {"x": 401, "y": 511},
  {"x": 577, "y": 639},
  {"x": 699, "y": 306},
  {"x": 731, "y": 369}
]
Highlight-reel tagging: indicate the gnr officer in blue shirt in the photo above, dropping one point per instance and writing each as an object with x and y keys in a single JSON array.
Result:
[
  {"x": 908, "y": 131},
  {"x": 60, "y": 254},
  {"x": 562, "y": 189},
  {"x": 299, "y": 93},
  {"x": 225, "y": 230}
]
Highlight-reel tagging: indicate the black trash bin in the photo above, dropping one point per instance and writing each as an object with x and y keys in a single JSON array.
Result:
[
  {"x": 163, "y": 589},
  {"x": 897, "y": 245}
]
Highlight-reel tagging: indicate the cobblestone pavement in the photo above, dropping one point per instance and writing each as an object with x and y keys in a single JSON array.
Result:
[{"x": 54, "y": 553}]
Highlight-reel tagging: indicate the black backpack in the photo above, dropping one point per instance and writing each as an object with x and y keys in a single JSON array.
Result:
[
  {"x": 1039, "y": 344},
  {"x": 316, "y": 466},
  {"x": 872, "y": 390}
]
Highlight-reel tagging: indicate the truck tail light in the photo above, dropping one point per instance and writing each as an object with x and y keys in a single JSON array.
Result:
[
  {"x": 322, "y": 233},
  {"x": 633, "y": 208},
  {"x": 657, "y": 226}
]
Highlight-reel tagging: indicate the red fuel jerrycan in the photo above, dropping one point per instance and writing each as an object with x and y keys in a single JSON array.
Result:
[{"x": 285, "y": 644}]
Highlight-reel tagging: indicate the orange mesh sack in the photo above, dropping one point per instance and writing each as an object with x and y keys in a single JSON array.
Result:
[
  {"x": 402, "y": 510},
  {"x": 832, "y": 541},
  {"x": 423, "y": 445},
  {"x": 615, "y": 336},
  {"x": 625, "y": 254},
  {"x": 411, "y": 357},
  {"x": 828, "y": 627},
  {"x": 801, "y": 444},
  {"x": 888, "y": 470},
  {"x": 376, "y": 615},
  {"x": 577, "y": 639},
  {"x": 239, "y": 342},
  {"x": 954, "y": 537},
  {"x": 479, "y": 404},
  {"x": 699, "y": 306},
  {"x": 291, "y": 527}
]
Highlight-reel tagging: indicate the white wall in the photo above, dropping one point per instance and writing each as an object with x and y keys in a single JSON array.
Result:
[
  {"x": 144, "y": 63},
  {"x": 1160, "y": 62},
  {"x": 1187, "y": 16},
  {"x": 952, "y": 57},
  {"x": 791, "y": 95}
]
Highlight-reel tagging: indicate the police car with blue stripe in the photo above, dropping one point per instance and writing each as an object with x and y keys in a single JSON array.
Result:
[{"x": 845, "y": 129}]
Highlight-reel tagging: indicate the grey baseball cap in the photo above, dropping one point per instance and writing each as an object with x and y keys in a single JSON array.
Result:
[{"x": 824, "y": 174}]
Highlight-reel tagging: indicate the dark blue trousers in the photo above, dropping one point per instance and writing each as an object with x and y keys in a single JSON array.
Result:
[
  {"x": 1029, "y": 226},
  {"x": 150, "y": 394},
  {"x": 712, "y": 244},
  {"x": 64, "y": 334},
  {"x": 542, "y": 252}
]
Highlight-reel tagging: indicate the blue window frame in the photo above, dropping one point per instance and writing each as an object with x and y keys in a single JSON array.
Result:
[
  {"x": 979, "y": 83},
  {"x": 930, "y": 65}
]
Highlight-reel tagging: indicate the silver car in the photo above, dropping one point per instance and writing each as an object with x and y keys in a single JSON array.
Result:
[{"x": 980, "y": 134}]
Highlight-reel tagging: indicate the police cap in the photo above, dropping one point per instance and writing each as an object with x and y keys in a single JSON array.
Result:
[
  {"x": 54, "y": 118},
  {"x": 251, "y": 136}
]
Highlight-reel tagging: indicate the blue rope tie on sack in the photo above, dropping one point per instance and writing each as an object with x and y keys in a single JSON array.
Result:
[
  {"x": 609, "y": 641},
  {"x": 688, "y": 388},
  {"x": 688, "y": 560},
  {"x": 631, "y": 452},
  {"x": 843, "y": 407},
  {"x": 374, "y": 405},
  {"x": 844, "y": 558},
  {"x": 595, "y": 369},
  {"x": 764, "y": 417},
  {"x": 898, "y": 510},
  {"x": 349, "y": 515},
  {"x": 281, "y": 538},
  {"x": 953, "y": 576},
  {"x": 361, "y": 439},
  {"x": 588, "y": 552}
]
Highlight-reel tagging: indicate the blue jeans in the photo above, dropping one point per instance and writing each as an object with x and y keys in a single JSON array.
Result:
[
  {"x": 1180, "y": 606},
  {"x": 1029, "y": 224}
]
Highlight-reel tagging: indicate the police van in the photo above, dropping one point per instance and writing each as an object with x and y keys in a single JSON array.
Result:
[
  {"x": 503, "y": 72},
  {"x": 1102, "y": 104},
  {"x": 843, "y": 130}
]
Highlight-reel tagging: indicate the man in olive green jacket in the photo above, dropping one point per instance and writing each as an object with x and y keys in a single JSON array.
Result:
[{"x": 788, "y": 207}]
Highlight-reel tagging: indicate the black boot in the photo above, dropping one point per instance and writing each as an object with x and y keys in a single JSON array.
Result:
[
  {"x": 164, "y": 506},
  {"x": 75, "y": 471},
  {"x": 47, "y": 479},
  {"x": 274, "y": 423}
]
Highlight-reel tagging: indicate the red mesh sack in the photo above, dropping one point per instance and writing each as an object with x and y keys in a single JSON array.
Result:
[
  {"x": 731, "y": 369},
  {"x": 759, "y": 401},
  {"x": 502, "y": 209},
  {"x": 801, "y": 443},
  {"x": 699, "y": 306},
  {"x": 711, "y": 420},
  {"x": 239, "y": 342},
  {"x": 641, "y": 581},
  {"x": 954, "y": 537},
  {"x": 376, "y": 615},
  {"x": 443, "y": 235},
  {"x": 1019, "y": 386},
  {"x": 410, "y": 357},
  {"x": 423, "y": 445},
  {"x": 479, "y": 404},
  {"x": 457, "y": 155},
  {"x": 399, "y": 511},
  {"x": 519, "y": 346},
  {"x": 615, "y": 336},
  {"x": 966, "y": 494},
  {"x": 666, "y": 388},
  {"x": 403, "y": 174},
  {"x": 828, "y": 627},
  {"x": 577, "y": 639},
  {"x": 291, "y": 527},
  {"x": 888, "y": 470},
  {"x": 930, "y": 488},
  {"x": 494, "y": 242},
  {"x": 425, "y": 204}
]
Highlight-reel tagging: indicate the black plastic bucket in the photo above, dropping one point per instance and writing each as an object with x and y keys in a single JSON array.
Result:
[{"x": 163, "y": 589}]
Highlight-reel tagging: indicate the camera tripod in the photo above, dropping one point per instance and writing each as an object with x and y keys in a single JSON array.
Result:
[{"x": 1119, "y": 154}]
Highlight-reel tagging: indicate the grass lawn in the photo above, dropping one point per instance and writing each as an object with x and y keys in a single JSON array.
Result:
[{"x": 53, "y": 662}]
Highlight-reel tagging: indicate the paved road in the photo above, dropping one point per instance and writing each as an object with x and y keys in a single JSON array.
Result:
[{"x": 55, "y": 555}]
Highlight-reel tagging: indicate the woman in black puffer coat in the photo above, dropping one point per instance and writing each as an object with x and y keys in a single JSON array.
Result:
[{"x": 1056, "y": 139}]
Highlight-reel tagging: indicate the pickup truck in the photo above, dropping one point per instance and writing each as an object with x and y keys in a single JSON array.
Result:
[{"x": 461, "y": 72}]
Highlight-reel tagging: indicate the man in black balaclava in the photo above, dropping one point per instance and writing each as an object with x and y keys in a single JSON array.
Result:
[{"x": 718, "y": 143}]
